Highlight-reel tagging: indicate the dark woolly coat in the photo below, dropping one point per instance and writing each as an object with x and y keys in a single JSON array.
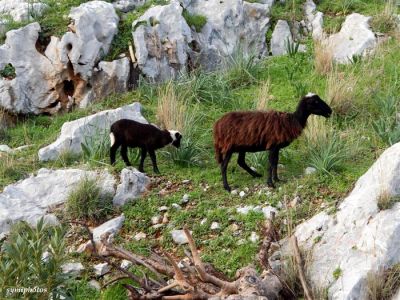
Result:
[{"x": 254, "y": 131}]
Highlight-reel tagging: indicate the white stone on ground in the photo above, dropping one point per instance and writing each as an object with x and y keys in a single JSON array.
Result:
[
  {"x": 111, "y": 227},
  {"x": 133, "y": 184},
  {"x": 215, "y": 226},
  {"x": 72, "y": 268},
  {"x": 179, "y": 237},
  {"x": 125, "y": 264},
  {"x": 101, "y": 269}
]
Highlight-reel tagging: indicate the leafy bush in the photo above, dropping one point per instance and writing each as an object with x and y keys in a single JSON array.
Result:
[
  {"x": 88, "y": 202},
  {"x": 23, "y": 264},
  {"x": 193, "y": 20}
]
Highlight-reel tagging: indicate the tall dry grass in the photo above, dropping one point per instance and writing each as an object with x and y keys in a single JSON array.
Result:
[
  {"x": 171, "y": 109},
  {"x": 263, "y": 96},
  {"x": 323, "y": 58},
  {"x": 341, "y": 90}
]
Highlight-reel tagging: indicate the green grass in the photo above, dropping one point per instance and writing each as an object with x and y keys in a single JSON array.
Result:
[{"x": 193, "y": 20}]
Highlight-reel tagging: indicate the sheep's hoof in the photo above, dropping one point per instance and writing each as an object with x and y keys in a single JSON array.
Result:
[
  {"x": 271, "y": 185},
  {"x": 227, "y": 188}
]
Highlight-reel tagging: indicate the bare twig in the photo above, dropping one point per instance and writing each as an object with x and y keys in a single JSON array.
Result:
[{"x": 299, "y": 263}]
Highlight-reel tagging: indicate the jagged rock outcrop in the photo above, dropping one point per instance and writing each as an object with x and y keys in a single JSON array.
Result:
[
  {"x": 314, "y": 20},
  {"x": 281, "y": 38},
  {"x": 360, "y": 238},
  {"x": 33, "y": 198},
  {"x": 88, "y": 130},
  {"x": 20, "y": 10},
  {"x": 232, "y": 26},
  {"x": 161, "y": 37},
  {"x": 128, "y": 5},
  {"x": 60, "y": 75},
  {"x": 354, "y": 38}
]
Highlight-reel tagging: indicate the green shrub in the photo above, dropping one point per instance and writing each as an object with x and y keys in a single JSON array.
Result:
[
  {"x": 193, "y": 20},
  {"x": 87, "y": 202},
  {"x": 22, "y": 263}
]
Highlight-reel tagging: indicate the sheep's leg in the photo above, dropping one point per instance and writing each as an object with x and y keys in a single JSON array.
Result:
[
  {"x": 224, "y": 166},
  {"x": 275, "y": 159},
  {"x": 270, "y": 183},
  {"x": 242, "y": 163},
  {"x": 124, "y": 154},
  {"x": 154, "y": 161},
  {"x": 143, "y": 154},
  {"x": 113, "y": 151}
]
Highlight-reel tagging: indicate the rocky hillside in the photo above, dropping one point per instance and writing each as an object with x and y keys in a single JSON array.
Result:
[{"x": 74, "y": 226}]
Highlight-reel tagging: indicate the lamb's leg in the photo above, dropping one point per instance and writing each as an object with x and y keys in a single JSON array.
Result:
[
  {"x": 224, "y": 166},
  {"x": 143, "y": 154},
  {"x": 113, "y": 151},
  {"x": 275, "y": 159},
  {"x": 242, "y": 163},
  {"x": 270, "y": 183},
  {"x": 154, "y": 161},
  {"x": 124, "y": 154}
]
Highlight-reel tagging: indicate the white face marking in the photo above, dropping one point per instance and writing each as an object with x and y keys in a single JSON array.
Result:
[
  {"x": 309, "y": 95},
  {"x": 172, "y": 133}
]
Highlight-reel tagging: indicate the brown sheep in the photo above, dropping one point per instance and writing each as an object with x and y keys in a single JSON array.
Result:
[{"x": 255, "y": 131}]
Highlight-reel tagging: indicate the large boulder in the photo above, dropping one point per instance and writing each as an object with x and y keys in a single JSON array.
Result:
[
  {"x": 34, "y": 89},
  {"x": 360, "y": 238},
  {"x": 232, "y": 26},
  {"x": 354, "y": 38},
  {"x": 93, "y": 27},
  {"x": 32, "y": 198},
  {"x": 281, "y": 38},
  {"x": 88, "y": 130},
  {"x": 133, "y": 184},
  {"x": 128, "y": 5},
  {"x": 161, "y": 37}
]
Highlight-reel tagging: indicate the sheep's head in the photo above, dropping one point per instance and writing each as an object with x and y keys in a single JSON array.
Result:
[
  {"x": 315, "y": 105},
  {"x": 176, "y": 138}
]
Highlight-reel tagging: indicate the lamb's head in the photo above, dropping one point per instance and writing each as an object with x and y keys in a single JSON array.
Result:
[
  {"x": 316, "y": 106},
  {"x": 176, "y": 138}
]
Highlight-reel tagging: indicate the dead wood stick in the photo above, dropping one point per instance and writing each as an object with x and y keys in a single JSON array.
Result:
[
  {"x": 227, "y": 288},
  {"x": 299, "y": 263}
]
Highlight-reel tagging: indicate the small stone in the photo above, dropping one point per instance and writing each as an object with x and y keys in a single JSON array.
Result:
[
  {"x": 234, "y": 192},
  {"x": 179, "y": 237},
  {"x": 72, "y": 268},
  {"x": 296, "y": 200},
  {"x": 165, "y": 219},
  {"x": 246, "y": 189},
  {"x": 268, "y": 210},
  {"x": 279, "y": 205},
  {"x": 163, "y": 208},
  {"x": 176, "y": 206},
  {"x": 101, "y": 269},
  {"x": 46, "y": 256},
  {"x": 5, "y": 148},
  {"x": 254, "y": 237},
  {"x": 156, "y": 220},
  {"x": 204, "y": 221},
  {"x": 185, "y": 199},
  {"x": 214, "y": 226},
  {"x": 157, "y": 226},
  {"x": 186, "y": 181},
  {"x": 94, "y": 284},
  {"x": 310, "y": 170},
  {"x": 242, "y": 194},
  {"x": 125, "y": 264},
  {"x": 140, "y": 236},
  {"x": 233, "y": 227},
  {"x": 241, "y": 242}
]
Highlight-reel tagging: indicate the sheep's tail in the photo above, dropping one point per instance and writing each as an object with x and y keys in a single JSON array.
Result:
[{"x": 112, "y": 139}]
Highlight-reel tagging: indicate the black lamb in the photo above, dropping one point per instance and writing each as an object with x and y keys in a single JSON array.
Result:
[{"x": 128, "y": 133}]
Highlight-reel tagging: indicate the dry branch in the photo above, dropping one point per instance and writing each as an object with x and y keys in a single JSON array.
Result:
[{"x": 299, "y": 262}]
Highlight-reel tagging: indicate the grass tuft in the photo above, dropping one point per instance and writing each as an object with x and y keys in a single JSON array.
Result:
[
  {"x": 323, "y": 58},
  {"x": 194, "y": 21},
  {"x": 384, "y": 284}
]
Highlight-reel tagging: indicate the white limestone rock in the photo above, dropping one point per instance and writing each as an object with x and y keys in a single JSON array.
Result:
[
  {"x": 128, "y": 5},
  {"x": 281, "y": 38},
  {"x": 133, "y": 184},
  {"x": 161, "y": 37},
  {"x": 21, "y": 10},
  {"x": 87, "y": 130},
  {"x": 101, "y": 269},
  {"x": 179, "y": 237},
  {"x": 5, "y": 148},
  {"x": 354, "y": 38},
  {"x": 314, "y": 20},
  {"x": 72, "y": 268},
  {"x": 233, "y": 26},
  {"x": 359, "y": 238},
  {"x": 94, "y": 25},
  {"x": 30, "y": 199},
  {"x": 111, "y": 227}
]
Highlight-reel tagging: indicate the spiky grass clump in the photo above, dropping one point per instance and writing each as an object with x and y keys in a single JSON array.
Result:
[
  {"x": 386, "y": 200},
  {"x": 340, "y": 91},
  {"x": 241, "y": 70},
  {"x": 385, "y": 21},
  {"x": 323, "y": 61},
  {"x": 88, "y": 202},
  {"x": 383, "y": 285}
]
